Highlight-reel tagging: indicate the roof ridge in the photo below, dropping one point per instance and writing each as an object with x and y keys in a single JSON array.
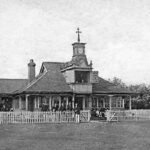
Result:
[{"x": 54, "y": 62}]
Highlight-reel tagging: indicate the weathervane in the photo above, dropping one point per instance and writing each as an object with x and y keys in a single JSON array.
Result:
[{"x": 78, "y": 32}]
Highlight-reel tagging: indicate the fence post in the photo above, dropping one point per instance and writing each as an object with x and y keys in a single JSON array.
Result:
[{"x": 60, "y": 116}]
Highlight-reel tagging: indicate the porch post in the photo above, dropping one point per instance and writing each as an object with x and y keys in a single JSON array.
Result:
[
  {"x": 35, "y": 102},
  {"x": 38, "y": 102},
  {"x": 73, "y": 99},
  {"x": 97, "y": 102},
  {"x": 130, "y": 101},
  {"x": 90, "y": 101},
  {"x": 110, "y": 101},
  {"x": 123, "y": 102},
  {"x": 26, "y": 97},
  {"x": 59, "y": 101},
  {"x": 20, "y": 100},
  {"x": 66, "y": 102},
  {"x": 50, "y": 103},
  {"x": 83, "y": 103},
  {"x": 104, "y": 103}
]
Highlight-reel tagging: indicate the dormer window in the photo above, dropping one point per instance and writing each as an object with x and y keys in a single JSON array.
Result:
[{"x": 82, "y": 76}]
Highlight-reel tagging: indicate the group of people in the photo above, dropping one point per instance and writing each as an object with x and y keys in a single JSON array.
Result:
[
  {"x": 95, "y": 112},
  {"x": 63, "y": 108},
  {"x": 5, "y": 106}
]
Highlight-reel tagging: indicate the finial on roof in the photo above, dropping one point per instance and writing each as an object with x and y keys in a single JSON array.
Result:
[{"x": 78, "y": 32}]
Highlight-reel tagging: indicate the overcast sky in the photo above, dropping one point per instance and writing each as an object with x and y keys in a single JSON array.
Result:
[{"x": 117, "y": 33}]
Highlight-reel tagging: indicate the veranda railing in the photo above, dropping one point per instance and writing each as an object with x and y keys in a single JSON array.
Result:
[{"x": 22, "y": 117}]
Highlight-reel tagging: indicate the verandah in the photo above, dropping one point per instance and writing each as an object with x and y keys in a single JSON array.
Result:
[{"x": 86, "y": 102}]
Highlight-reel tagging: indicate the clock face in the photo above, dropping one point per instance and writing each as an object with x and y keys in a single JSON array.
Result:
[{"x": 80, "y": 50}]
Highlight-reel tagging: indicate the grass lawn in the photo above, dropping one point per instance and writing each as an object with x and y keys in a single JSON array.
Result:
[{"x": 84, "y": 136}]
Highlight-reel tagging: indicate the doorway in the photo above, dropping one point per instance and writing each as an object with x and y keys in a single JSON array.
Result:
[
  {"x": 79, "y": 101},
  {"x": 31, "y": 103}
]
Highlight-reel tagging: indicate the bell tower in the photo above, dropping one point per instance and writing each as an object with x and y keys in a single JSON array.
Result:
[{"x": 78, "y": 47}]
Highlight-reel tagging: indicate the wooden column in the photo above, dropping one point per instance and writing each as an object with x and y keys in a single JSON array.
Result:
[
  {"x": 83, "y": 104},
  {"x": 38, "y": 102},
  {"x": 50, "y": 103},
  {"x": 66, "y": 102},
  {"x": 123, "y": 102},
  {"x": 97, "y": 102},
  {"x": 59, "y": 101},
  {"x": 20, "y": 103},
  {"x": 130, "y": 103},
  {"x": 35, "y": 102},
  {"x": 110, "y": 102},
  {"x": 104, "y": 103},
  {"x": 26, "y": 97},
  {"x": 73, "y": 99},
  {"x": 90, "y": 101}
]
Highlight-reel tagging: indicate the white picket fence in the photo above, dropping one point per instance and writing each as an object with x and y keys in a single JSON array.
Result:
[
  {"x": 128, "y": 115},
  {"x": 22, "y": 117}
]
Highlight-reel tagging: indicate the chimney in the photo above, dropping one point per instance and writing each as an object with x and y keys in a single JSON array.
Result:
[{"x": 31, "y": 70}]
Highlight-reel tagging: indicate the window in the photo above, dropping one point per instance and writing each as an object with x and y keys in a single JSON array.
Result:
[
  {"x": 81, "y": 76},
  {"x": 119, "y": 102}
]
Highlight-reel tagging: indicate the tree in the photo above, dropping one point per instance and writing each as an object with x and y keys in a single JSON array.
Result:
[
  {"x": 142, "y": 100},
  {"x": 118, "y": 82}
]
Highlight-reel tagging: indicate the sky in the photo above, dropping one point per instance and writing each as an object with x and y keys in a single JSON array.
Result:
[{"x": 117, "y": 33}]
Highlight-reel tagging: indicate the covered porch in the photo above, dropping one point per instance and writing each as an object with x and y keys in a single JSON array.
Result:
[
  {"x": 41, "y": 102},
  {"x": 112, "y": 102}
]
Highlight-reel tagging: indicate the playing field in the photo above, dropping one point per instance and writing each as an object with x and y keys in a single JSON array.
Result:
[{"x": 85, "y": 136}]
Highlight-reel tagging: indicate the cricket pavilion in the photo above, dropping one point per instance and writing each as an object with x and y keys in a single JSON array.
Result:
[{"x": 72, "y": 82}]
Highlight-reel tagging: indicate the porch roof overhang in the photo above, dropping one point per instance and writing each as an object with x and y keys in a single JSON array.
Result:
[
  {"x": 6, "y": 95},
  {"x": 43, "y": 93},
  {"x": 115, "y": 93}
]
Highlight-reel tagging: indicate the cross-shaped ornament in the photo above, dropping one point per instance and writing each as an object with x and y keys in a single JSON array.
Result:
[{"x": 78, "y": 32}]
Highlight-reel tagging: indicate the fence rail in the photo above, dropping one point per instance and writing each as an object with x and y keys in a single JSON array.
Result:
[
  {"x": 22, "y": 117},
  {"x": 128, "y": 115}
]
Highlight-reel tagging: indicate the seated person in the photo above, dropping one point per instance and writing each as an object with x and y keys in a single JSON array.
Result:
[{"x": 97, "y": 113}]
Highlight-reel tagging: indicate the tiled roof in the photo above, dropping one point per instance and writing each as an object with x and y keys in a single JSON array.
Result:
[
  {"x": 104, "y": 86},
  {"x": 51, "y": 81},
  {"x": 8, "y": 86},
  {"x": 51, "y": 66}
]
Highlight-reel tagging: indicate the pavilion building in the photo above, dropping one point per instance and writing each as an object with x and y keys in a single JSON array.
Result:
[{"x": 72, "y": 82}]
